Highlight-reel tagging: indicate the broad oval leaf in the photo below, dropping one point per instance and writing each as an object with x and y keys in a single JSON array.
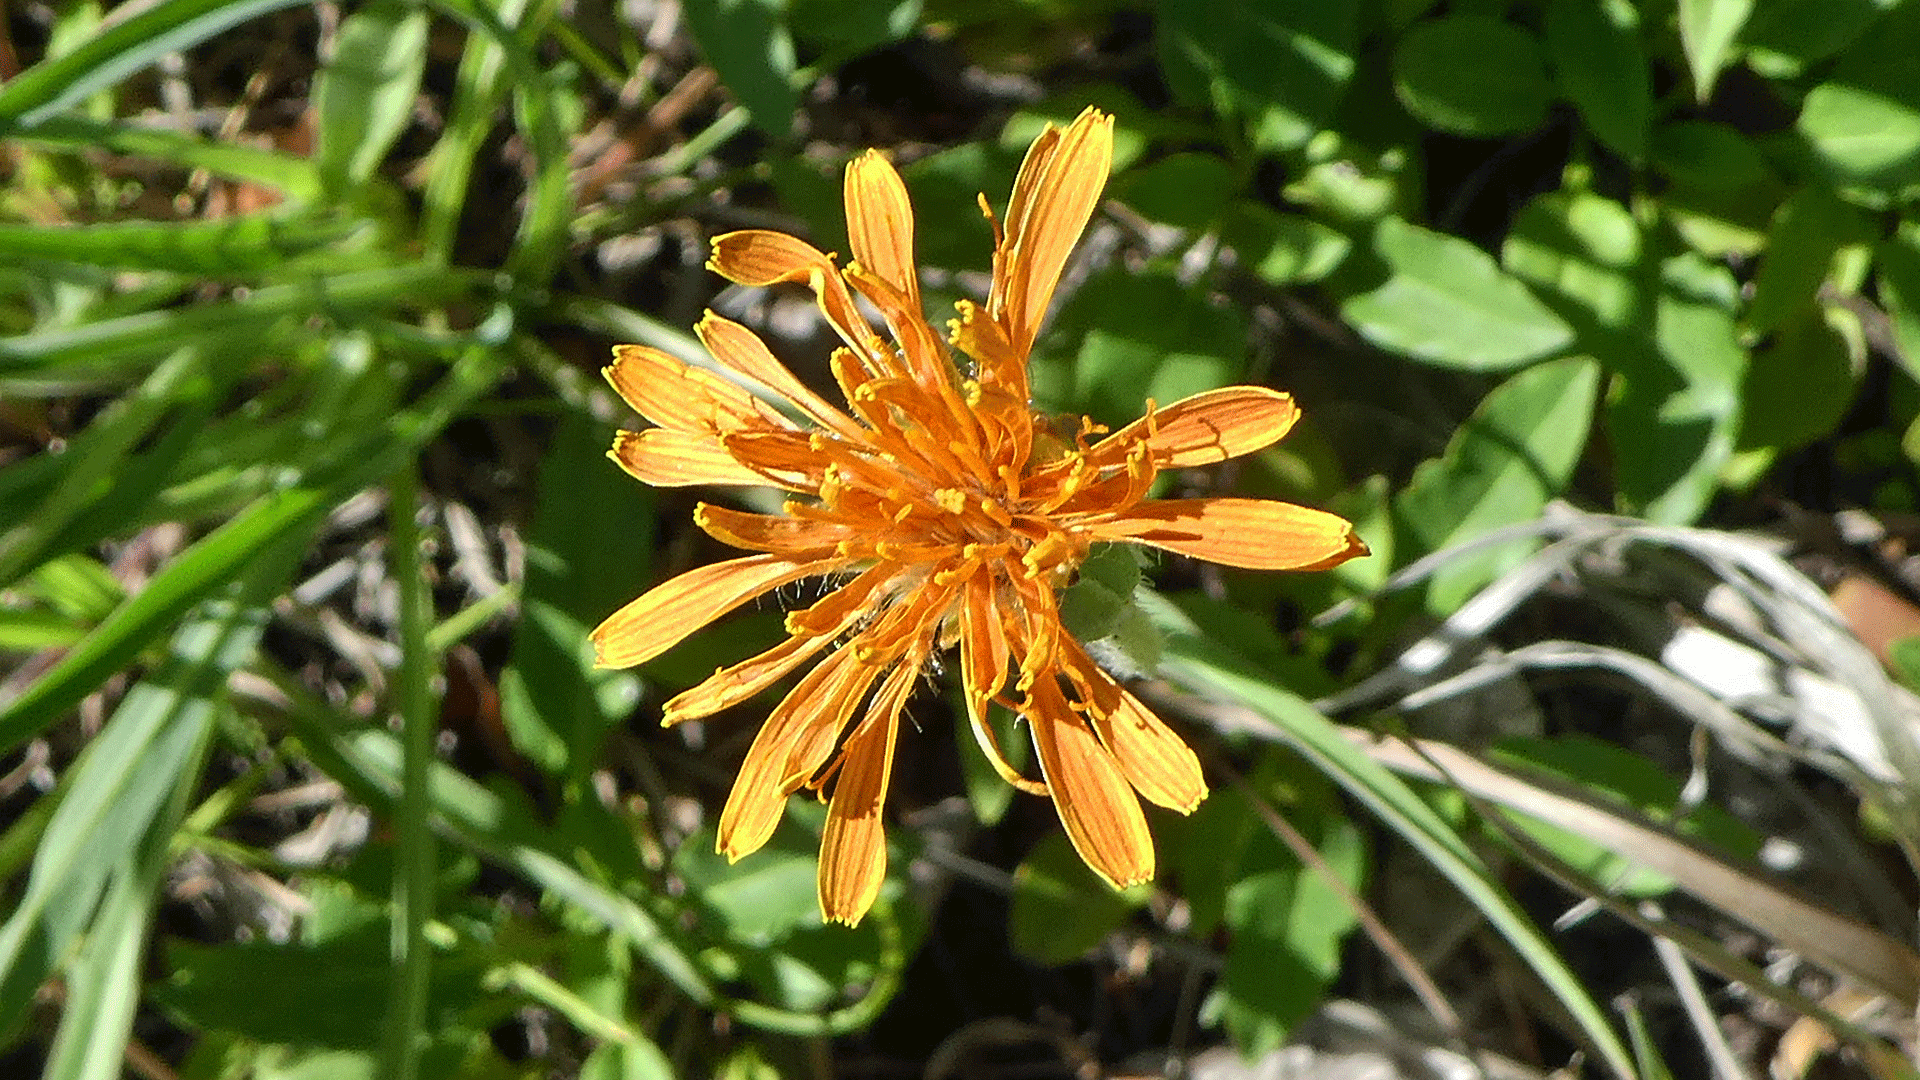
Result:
[
  {"x": 1446, "y": 303},
  {"x": 1864, "y": 121},
  {"x": 1600, "y": 66},
  {"x": 1517, "y": 451},
  {"x": 1472, "y": 75}
]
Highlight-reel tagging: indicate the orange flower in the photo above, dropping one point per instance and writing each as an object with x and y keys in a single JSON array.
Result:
[{"x": 944, "y": 511}]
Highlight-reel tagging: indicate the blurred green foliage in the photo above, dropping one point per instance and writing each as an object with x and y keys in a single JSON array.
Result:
[{"x": 1634, "y": 253}]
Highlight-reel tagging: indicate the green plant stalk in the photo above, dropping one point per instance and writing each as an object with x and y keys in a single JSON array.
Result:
[{"x": 413, "y": 875}]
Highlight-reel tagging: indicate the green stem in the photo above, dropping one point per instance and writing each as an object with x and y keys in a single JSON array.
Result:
[{"x": 413, "y": 876}]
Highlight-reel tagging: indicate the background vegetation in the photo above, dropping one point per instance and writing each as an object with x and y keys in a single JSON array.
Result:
[{"x": 303, "y": 518}]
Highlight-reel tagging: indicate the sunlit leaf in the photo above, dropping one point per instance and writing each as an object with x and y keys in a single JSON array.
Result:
[
  {"x": 1707, "y": 32},
  {"x": 1447, "y": 303}
]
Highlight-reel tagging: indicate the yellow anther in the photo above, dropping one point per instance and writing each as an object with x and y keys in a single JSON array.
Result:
[
  {"x": 952, "y": 500},
  {"x": 903, "y": 513}
]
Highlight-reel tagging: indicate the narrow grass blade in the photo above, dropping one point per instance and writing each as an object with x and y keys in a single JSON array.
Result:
[
  {"x": 217, "y": 247},
  {"x": 122, "y": 48},
  {"x": 1205, "y": 669},
  {"x": 294, "y": 177},
  {"x": 118, "y": 809},
  {"x": 364, "y": 96},
  {"x": 103, "y": 348},
  {"x": 140, "y": 621},
  {"x": 1833, "y": 941}
]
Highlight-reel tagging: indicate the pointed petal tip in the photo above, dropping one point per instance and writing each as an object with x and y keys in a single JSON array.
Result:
[{"x": 848, "y": 919}]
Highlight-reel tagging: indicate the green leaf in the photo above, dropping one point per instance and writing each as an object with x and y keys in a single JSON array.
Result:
[
  {"x": 296, "y": 177},
  {"x": 1195, "y": 663},
  {"x": 1602, "y": 768},
  {"x": 120, "y": 49},
  {"x": 1283, "y": 249},
  {"x": 1060, "y": 908},
  {"x": 1090, "y": 608},
  {"x": 1147, "y": 336},
  {"x": 217, "y": 247},
  {"x": 1903, "y": 655},
  {"x": 1280, "y": 66},
  {"x": 1798, "y": 386},
  {"x": 115, "y": 344},
  {"x": 853, "y": 27},
  {"x": 1472, "y": 75},
  {"x": 1863, "y": 123},
  {"x": 1785, "y": 36},
  {"x": 1712, "y": 156},
  {"x": 1186, "y": 189},
  {"x": 1516, "y": 452},
  {"x": 589, "y": 552},
  {"x": 184, "y": 582},
  {"x": 1287, "y": 925},
  {"x": 950, "y": 231},
  {"x": 747, "y": 43},
  {"x": 990, "y": 796},
  {"x": 1808, "y": 230},
  {"x": 1707, "y": 32},
  {"x": 1446, "y": 303},
  {"x": 1673, "y": 420},
  {"x": 1581, "y": 253},
  {"x": 364, "y": 96},
  {"x": 1601, "y": 67},
  {"x": 31, "y": 631},
  {"x": 1896, "y": 262},
  {"x": 331, "y": 994},
  {"x": 636, "y": 1059},
  {"x": 97, "y": 868}
]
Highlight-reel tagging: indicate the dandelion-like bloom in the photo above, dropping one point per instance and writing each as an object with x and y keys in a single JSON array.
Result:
[{"x": 945, "y": 511}]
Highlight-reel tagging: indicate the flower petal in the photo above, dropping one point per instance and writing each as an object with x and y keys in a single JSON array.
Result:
[
  {"x": 786, "y": 454},
  {"x": 762, "y": 257},
  {"x": 853, "y": 846},
  {"x": 667, "y": 613},
  {"x": 1053, "y": 199},
  {"x": 1158, "y": 763},
  {"x": 824, "y": 697},
  {"x": 1096, "y": 804},
  {"x": 741, "y": 350},
  {"x": 729, "y": 686},
  {"x": 985, "y": 661},
  {"x": 1256, "y": 534},
  {"x": 1205, "y": 428},
  {"x": 880, "y": 223},
  {"x": 666, "y": 458},
  {"x": 675, "y": 394},
  {"x": 794, "y": 537}
]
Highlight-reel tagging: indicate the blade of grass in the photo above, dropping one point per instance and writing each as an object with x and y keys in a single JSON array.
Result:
[
  {"x": 219, "y": 247},
  {"x": 364, "y": 96},
  {"x": 123, "y": 47},
  {"x": 184, "y": 582},
  {"x": 1207, "y": 670},
  {"x": 294, "y": 177},
  {"x": 367, "y": 763},
  {"x": 122, "y": 800},
  {"x": 1831, "y": 940},
  {"x": 96, "y": 459},
  {"x": 478, "y": 93},
  {"x": 215, "y": 558},
  {"x": 112, "y": 345},
  {"x": 548, "y": 131}
]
